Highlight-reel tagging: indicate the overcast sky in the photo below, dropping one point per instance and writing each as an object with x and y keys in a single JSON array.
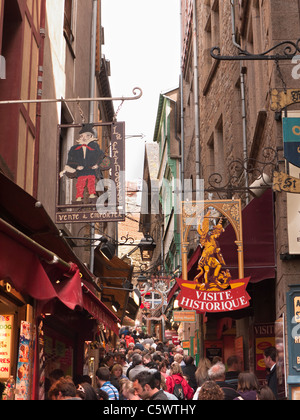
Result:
[{"x": 142, "y": 42}]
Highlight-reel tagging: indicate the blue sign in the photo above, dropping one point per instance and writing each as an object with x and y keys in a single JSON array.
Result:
[{"x": 291, "y": 139}]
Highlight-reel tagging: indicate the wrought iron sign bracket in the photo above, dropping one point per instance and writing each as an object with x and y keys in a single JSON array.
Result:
[
  {"x": 137, "y": 92},
  {"x": 261, "y": 171},
  {"x": 286, "y": 50}
]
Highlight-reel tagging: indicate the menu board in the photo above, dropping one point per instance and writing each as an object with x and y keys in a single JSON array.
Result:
[{"x": 6, "y": 327}]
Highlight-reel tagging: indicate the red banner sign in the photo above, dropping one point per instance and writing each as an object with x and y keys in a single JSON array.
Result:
[{"x": 194, "y": 296}]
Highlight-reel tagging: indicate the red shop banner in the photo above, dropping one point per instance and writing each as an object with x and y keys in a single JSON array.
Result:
[{"x": 195, "y": 296}]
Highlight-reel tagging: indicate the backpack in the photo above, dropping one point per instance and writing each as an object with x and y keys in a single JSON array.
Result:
[{"x": 178, "y": 392}]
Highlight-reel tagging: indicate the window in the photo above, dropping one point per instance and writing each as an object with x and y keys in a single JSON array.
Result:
[
  {"x": 219, "y": 148},
  {"x": 68, "y": 20},
  {"x": 211, "y": 32},
  {"x": 2, "y": 67},
  {"x": 216, "y": 159},
  {"x": 211, "y": 155},
  {"x": 66, "y": 141}
]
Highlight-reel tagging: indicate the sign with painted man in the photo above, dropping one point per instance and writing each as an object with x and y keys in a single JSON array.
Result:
[
  {"x": 84, "y": 162},
  {"x": 91, "y": 182}
]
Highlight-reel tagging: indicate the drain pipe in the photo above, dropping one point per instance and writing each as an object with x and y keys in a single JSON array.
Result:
[
  {"x": 196, "y": 91},
  {"x": 93, "y": 59},
  {"x": 243, "y": 99},
  {"x": 92, "y": 104},
  {"x": 181, "y": 102},
  {"x": 182, "y": 164}
]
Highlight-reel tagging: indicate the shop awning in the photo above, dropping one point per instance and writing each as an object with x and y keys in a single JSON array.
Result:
[
  {"x": 23, "y": 267},
  {"x": 99, "y": 311},
  {"x": 115, "y": 276}
]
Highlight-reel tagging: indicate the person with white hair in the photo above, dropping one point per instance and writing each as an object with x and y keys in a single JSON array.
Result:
[{"x": 217, "y": 373}]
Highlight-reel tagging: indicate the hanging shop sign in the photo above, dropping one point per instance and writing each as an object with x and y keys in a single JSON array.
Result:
[
  {"x": 153, "y": 299},
  {"x": 6, "y": 327},
  {"x": 169, "y": 334},
  {"x": 91, "y": 179},
  {"x": 291, "y": 139},
  {"x": 213, "y": 289},
  {"x": 286, "y": 183},
  {"x": 194, "y": 297},
  {"x": 184, "y": 316},
  {"x": 281, "y": 99}
]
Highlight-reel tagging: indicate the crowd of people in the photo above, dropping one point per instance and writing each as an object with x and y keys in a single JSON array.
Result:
[{"x": 143, "y": 368}]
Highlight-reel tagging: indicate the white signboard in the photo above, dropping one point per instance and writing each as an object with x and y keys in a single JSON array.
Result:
[
  {"x": 293, "y": 216},
  {"x": 293, "y": 208}
]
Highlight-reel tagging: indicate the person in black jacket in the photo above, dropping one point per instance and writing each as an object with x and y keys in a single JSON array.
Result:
[
  {"x": 233, "y": 370},
  {"x": 270, "y": 362},
  {"x": 189, "y": 371}
]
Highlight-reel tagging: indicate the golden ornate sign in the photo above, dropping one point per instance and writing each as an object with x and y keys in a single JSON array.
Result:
[
  {"x": 229, "y": 209},
  {"x": 212, "y": 289}
]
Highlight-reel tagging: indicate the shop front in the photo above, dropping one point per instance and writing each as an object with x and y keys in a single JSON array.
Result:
[
  {"x": 50, "y": 305},
  {"x": 45, "y": 321},
  {"x": 16, "y": 340}
]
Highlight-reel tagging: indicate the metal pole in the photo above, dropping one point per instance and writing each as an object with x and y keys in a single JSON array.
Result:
[
  {"x": 182, "y": 105},
  {"x": 92, "y": 105},
  {"x": 196, "y": 91},
  {"x": 101, "y": 99},
  {"x": 243, "y": 99},
  {"x": 48, "y": 256}
]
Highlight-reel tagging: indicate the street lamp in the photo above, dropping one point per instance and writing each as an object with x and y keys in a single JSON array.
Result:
[
  {"x": 107, "y": 248},
  {"x": 147, "y": 247}
]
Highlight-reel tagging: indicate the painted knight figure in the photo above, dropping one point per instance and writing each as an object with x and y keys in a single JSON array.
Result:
[{"x": 211, "y": 261}]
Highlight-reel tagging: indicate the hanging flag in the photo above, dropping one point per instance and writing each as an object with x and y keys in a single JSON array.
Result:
[{"x": 291, "y": 139}]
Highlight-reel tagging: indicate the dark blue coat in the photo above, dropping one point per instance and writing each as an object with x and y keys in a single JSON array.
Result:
[{"x": 94, "y": 156}]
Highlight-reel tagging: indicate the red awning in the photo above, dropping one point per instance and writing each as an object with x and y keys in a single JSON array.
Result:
[
  {"x": 113, "y": 273},
  {"x": 24, "y": 212},
  {"x": 258, "y": 237},
  {"x": 99, "y": 311},
  {"x": 23, "y": 268}
]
